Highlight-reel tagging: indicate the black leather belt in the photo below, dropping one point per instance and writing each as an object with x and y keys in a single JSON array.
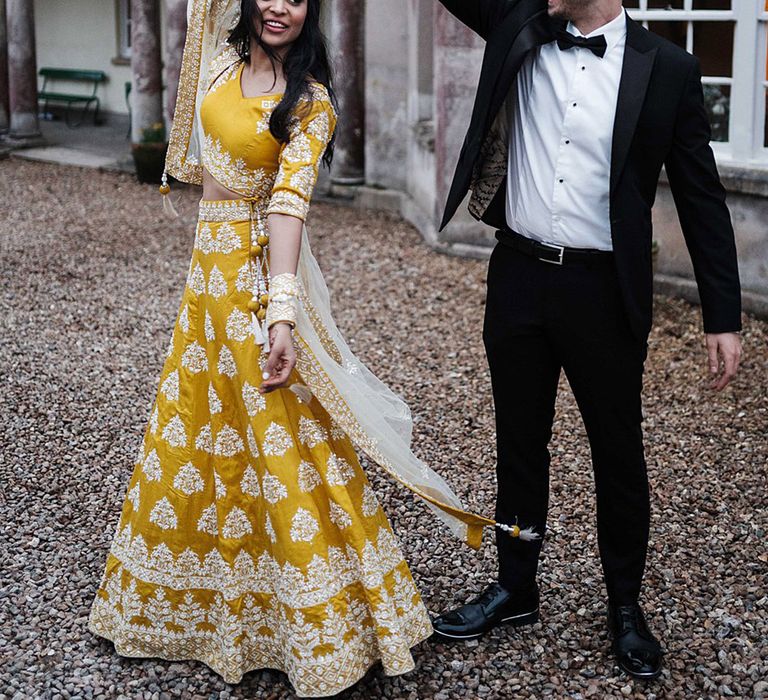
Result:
[{"x": 548, "y": 252}]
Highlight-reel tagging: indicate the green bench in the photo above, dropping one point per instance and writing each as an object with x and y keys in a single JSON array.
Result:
[{"x": 94, "y": 77}]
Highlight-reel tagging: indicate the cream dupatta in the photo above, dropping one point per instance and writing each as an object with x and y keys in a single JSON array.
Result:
[{"x": 374, "y": 417}]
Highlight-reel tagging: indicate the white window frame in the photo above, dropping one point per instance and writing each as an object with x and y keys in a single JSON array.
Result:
[
  {"x": 746, "y": 125},
  {"x": 123, "y": 28}
]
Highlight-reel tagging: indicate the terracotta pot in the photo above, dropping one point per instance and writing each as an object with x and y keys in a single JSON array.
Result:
[{"x": 149, "y": 159}]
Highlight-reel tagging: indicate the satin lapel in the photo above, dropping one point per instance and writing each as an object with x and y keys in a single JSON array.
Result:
[
  {"x": 635, "y": 75},
  {"x": 499, "y": 65},
  {"x": 536, "y": 32}
]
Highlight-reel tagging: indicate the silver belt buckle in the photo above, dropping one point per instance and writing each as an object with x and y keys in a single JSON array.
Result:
[{"x": 560, "y": 251}]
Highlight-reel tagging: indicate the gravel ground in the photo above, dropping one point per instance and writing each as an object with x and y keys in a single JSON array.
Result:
[{"x": 91, "y": 285}]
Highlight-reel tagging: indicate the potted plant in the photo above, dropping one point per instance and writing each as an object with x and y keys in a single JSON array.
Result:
[{"x": 149, "y": 153}]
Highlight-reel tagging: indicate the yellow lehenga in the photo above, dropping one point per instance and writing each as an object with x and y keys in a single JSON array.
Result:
[{"x": 250, "y": 536}]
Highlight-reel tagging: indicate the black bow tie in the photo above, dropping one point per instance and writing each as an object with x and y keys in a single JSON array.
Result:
[{"x": 596, "y": 44}]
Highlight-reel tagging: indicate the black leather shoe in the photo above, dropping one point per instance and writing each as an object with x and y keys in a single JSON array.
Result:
[
  {"x": 492, "y": 607},
  {"x": 637, "y": 651}
]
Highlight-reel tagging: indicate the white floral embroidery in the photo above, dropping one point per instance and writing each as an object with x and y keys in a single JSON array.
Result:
[
  {"x": 196, "y": 280},
  {"x": 204, "y": 441},
  {"x": 228, "y": 442},
  {"x": 299, "y": 150},
  {"x": 339, "y": 517},
  {"x": 170, "y": 387},
  {"x": 249, "y": 484},
  {"x": 233, "y": 172},
  {"x": 184, "y": 319},
  {"x": 226, "y": 364},
  {"x": 338, "y": 471},
  {"x": 208, "y": 521},
  {"x": 221, "y": 489},
  {"x": 253, "y": 400},
  {"x": 174, "y": 433},
  {"x": 303, "y": 180},
  {"x": 320, "y": 127},
  {"x": 290, "y": 203},
  {"x": 236, "y": 524},
  {"x": 227, "y": 240},
  {"x": 151, "y": 467},
  {"x": 214, "y": 402},
  {"x": 311, "y": 433},
  {"x": 163, "y": 515},
  {"x": 370, "y": 502},
  {"x": 188, "y": 479},
  {"x": 309, "y": 477},
  {"x": 336, "y": 432},
  {"x": 269, "y": 529},
  {"x": 154, "y": 420},
  {"x": 217, "y": 285},
  {"x": 245, "y": 278},
  {"x": 171, "y": 346},
  {"x": 277, "y": 440},
  {"x": 134, "y": 496},
  {"x": 273, "y": 489},
  {"x": 194, "y": 358},
  {"x": 210, "y": 334},
  {"x": 252, "y": 446},
  {"x": 238, "y": 325},
  {"x": 304, "y": 527}
]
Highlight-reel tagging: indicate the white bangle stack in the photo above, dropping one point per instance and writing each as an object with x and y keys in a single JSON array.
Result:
[{"x": 283, "y": 300}]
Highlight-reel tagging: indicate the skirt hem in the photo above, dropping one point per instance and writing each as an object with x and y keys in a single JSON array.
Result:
[{"x": 420, "y": 635}]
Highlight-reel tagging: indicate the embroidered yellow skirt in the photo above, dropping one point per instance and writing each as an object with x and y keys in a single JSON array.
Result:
[{"x": 250, "y": 537}]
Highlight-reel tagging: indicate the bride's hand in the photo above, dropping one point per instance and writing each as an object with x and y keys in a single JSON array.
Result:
[{"x": 282, "y": 358}]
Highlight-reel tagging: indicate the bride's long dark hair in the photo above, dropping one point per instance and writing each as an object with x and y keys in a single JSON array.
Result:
[{"x": 306, "y": 58}]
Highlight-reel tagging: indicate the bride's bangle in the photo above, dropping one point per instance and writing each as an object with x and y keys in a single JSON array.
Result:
[{"x": 283, "y": 300}]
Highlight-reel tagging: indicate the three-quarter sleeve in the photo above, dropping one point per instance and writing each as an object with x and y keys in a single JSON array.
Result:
[{"x": 300, "y": 158}]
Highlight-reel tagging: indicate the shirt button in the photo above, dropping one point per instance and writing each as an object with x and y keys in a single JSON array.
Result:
[
  {"x": 583, "y": 68},
  {"x": 574, "y": 104},
  {"x": 567, "y": 141},
  {"x": 560, "y": 181}
]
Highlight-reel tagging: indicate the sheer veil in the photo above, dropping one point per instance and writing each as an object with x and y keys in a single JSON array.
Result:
[{"x": 374, "y": 417}]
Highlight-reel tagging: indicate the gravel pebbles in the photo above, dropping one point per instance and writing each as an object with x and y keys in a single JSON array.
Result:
[{"x": 92, "y": 277}]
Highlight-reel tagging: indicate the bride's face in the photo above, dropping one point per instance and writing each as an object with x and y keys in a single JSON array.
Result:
[{"x": 282, "y": 21}]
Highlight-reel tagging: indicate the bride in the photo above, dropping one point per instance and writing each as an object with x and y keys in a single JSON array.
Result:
[{"x": 250, "y": 536}]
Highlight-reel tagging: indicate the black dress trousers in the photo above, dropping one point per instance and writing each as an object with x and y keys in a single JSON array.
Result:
[{"x": 541, "y": 318}]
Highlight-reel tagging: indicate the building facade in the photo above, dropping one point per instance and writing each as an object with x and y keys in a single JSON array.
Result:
[{"x": 406, "y": 73}]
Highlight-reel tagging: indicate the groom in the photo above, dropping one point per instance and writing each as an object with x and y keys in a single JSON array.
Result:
[{"x": 577, "y": 109}]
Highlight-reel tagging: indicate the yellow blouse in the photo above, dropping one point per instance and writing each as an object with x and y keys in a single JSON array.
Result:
[{"x": 240, "y": 152}]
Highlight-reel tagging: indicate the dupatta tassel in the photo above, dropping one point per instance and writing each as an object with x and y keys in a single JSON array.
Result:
[
  {"x": 527, "y": 534},
  {"x": 165, "y": 190}
]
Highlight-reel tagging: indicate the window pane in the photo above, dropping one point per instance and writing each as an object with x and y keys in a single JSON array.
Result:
[
  {"x": 712, "y": 4},
  {"x": 674, "y": 31},
  {"x": 717, "y": 99},
  {"x": 765, "y": 136},
  {"x": 713, "y": 44},
  {"x": 665, "y": 4}
]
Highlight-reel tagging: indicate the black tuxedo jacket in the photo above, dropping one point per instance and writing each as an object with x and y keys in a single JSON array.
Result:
[{"x": 660, "y": 120}]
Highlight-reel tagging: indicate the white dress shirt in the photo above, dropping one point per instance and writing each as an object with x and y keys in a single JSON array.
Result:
[{"x": 561, "y": 131}]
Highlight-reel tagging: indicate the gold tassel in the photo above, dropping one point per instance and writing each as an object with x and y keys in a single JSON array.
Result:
[
  {"x": 165, "y": 191},
  {"x": 527, "y": 534}
]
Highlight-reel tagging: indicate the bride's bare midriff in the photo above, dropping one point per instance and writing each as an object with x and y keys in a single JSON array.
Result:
[{"x": 213, "y": 190}]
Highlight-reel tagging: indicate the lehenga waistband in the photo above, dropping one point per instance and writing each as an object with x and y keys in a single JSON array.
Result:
[{"x": 217, "y": 210}]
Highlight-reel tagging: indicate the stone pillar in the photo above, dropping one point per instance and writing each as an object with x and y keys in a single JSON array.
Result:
[
  {"x": 347, "y": 22},
  {"x": 146, "y": 66},
  {"x": 22, "y": 70},
  {"x": 175, "y": 34},
  {"x": 5, "y": 106},
  {"x": 458, "y": 57}
]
